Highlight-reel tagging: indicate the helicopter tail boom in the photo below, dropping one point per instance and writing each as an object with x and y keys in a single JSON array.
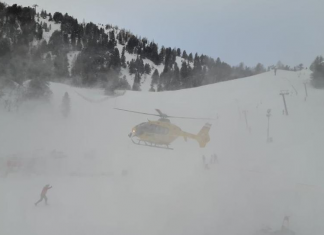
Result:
[{"x": 202, "y": 137}]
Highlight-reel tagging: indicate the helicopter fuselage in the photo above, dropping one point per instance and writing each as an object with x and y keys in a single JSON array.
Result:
[{"x": 160, "y": 132}]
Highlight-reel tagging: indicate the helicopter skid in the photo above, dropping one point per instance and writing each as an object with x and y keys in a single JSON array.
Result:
[{"x": 146, "y": 144}]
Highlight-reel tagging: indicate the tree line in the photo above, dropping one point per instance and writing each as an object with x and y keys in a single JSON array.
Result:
[{"x": 25, "y": 55}]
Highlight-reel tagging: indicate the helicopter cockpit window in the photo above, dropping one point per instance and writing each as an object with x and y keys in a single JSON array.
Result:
[
  {"x": 141, "y": 128},
  {"x": 153, "y": 128},
  {"x": 150, "y": 128},
  {"x": 161, "y": 130}
]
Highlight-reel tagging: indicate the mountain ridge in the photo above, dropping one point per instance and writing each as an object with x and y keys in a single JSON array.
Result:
[{"x": 89, "y": 54}]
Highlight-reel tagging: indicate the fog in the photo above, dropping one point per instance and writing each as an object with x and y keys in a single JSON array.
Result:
[{"x": 102, "y": 183}]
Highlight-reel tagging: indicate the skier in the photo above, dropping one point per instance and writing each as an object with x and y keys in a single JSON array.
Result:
[
  {"x": 275, "y": 71},
  {"x": 9, "y": 167},
  {"x": 205, "y": 162},
  {"x": 43, "y": 194},
  {"x": 214, "y": 157}
]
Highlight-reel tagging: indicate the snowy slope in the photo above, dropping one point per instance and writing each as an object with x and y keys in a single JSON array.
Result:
[
  {"x": 51, "y": 25},
  {"x": 253, "y": 185},
  {"x": 146, "y": 79},
  {"x": 72, "y": 55}
]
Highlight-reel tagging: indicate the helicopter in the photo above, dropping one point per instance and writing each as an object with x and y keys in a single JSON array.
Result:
[{"x": 161, "y": 133}]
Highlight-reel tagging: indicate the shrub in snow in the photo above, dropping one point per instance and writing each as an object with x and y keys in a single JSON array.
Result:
[{"x": 38, "y": 89}]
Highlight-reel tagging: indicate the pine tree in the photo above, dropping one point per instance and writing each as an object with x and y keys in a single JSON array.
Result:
[
  {"x": 131, "y": 44},
  {"x": 318, "y": 72},
  {"x": 151, "y": 89},
  {"x": 78, "y": 44},
  {"x": 190, "y": 58},
  {"x": 176, "y": 79},
  {"x": 173, "y": 56},
  {"x": 300, "y": 66},
  {"x": 162, "y": 54},
  {"x": 259, "y": 68},
  {"x": 132, "y": 67},
  {"x": 112, "y": 41},
  {"x": 140, "y": 65},
  {"x": 137, "y": 84},
  {"x": 184, "y": 55},
  {"x": 147, "y": 69},
  {"x": 58, "y": 17},
  {"x": 66, "y": 106},
  {"x": 38, "y": 88},
  {"x": 155, "y": 77},
  {"x": 5, "y": 47},
  {"x": 178, "y": 52},
  {"x": 73, "y": 40},
  {"x": 61, "y": 66},
  {"x": 115, "y": 60},
  {"x": 160, "y": 87},
  {"x": 123, "y": 58},
  {"x": 197, "y": 72},
  {"x": 184, "y": 73},
  {"x": 56, "y": 41},
  {"x": 120, "y": 37},
  {"x": 155, "y": 55}
]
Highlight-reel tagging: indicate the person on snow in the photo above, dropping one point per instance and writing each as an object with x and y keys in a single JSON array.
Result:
[
  {"x": 43, "y": 194},
  {"x": 215, "y": 158},
  {"x": 205, "y": 162}
]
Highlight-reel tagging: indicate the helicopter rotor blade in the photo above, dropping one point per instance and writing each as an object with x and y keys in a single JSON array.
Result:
[
  {"x": 162, "y": 115},
  {"x": 130, "y": 111},
  {"x": 193, "y": 118}
]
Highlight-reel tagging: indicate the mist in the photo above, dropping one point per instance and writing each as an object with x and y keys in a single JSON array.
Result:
[
  {"x": 103, "y": 131},
  {"x": 103, "y": 183}
]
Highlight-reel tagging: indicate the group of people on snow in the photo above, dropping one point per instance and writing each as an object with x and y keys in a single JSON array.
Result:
[{"x": 212, "y": 160}]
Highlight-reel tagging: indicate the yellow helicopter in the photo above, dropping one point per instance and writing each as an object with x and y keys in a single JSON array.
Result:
[{"x": 161, "y": 133}]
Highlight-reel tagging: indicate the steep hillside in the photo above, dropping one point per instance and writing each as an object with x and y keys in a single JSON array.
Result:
[
  {"x": 103, "y": 183},
  {"x": 56, "y": 47}
]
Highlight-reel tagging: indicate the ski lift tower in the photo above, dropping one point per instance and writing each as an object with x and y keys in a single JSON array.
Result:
[
  {"x": 269, "y": 139},
  {"x": 283, "y": 93},
  {"x": 306, "y": 94}
]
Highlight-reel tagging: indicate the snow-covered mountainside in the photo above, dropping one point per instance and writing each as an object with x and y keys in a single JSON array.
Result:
[
  {"x": 42, "y": 47},
  {"x": 71, "y": 55},
  {"x": 104, "y": 184}
]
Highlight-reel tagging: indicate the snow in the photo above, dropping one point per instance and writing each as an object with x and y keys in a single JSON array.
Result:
[
  {"x": 146, "y": 78},
  {"x": 107, "y": 185},
  {"x": 72, "y": 56},
  {"x": 179, "y": 61},
  {"x": 54, "y": 27}
]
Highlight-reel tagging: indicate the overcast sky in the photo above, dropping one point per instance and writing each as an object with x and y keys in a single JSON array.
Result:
[{"x": 248, "y": 31}]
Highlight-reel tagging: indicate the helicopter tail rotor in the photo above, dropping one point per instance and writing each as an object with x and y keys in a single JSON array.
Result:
[{"x": 203, "y": 135}]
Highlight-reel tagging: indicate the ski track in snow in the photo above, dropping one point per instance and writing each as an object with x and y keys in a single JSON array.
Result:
[{"x": 253, "y": 185}]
